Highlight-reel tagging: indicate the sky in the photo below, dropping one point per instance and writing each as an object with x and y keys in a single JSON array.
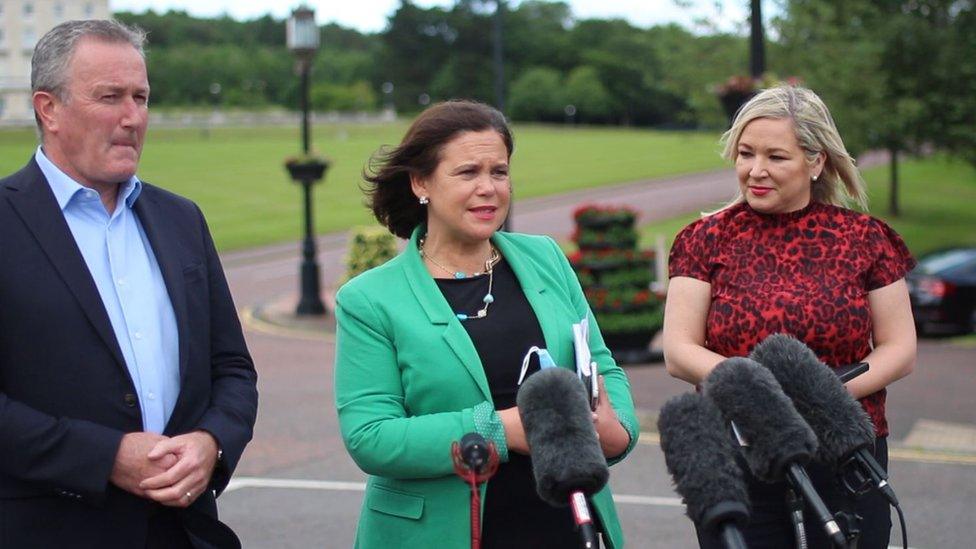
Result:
[{"x": 371, "y": 15}]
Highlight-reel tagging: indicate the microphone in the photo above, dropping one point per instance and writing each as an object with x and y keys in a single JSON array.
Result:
[
  {"x": 567, "y": 460},
  {"x": 475, "y": 461},
  {"x": 699, "y": 456},
  {"x": 779, "y": 441},
  {"x": 843, "y": 427},
  {"x": 476, "y": 453}
]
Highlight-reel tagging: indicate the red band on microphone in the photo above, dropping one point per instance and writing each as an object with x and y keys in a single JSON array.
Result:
[{"x": 581, "y": 512}]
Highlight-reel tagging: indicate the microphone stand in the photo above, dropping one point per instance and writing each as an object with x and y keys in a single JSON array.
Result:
[
  {"x": 474, "y": 478},
  {"x": 796, "y": 515},
  {"x": 800, "y": 481},
  {"x": 732, "y": 537}
]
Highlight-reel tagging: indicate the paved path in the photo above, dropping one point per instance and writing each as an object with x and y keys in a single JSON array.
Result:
[{"x": 297, "y": 487}]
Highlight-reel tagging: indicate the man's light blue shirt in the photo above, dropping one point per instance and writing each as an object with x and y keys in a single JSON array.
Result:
[{"x": 123, "y": 265}]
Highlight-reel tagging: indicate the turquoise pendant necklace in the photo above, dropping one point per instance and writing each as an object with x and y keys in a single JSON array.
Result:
[
  {"x": 490, "y": 263},
  {"x": 487, "y": 300}
]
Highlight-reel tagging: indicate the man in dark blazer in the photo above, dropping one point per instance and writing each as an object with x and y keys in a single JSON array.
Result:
[{"x": 127, "y": 394}]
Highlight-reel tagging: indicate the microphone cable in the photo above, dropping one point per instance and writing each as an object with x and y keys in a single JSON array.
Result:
[
  {"x": 858, "y": 483},
  {"x": 901, "y": 524},
  {"x": 475, "y": 461}
]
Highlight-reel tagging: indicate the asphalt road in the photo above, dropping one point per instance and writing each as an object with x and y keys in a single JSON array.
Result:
[{"x": 297, "y": 487}]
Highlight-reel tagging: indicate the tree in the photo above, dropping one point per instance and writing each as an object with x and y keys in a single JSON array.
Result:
[
  {"x": 845, "y": 51},
  {"x": 588, "y": 95},
  {"x": 537, "y": 34},
  {"x": 695, "y": 64},
  {"x": 629, "y": 68},
  {"x": 897, "y": 74},
  {"x": 415, "y": 45},
  {"x": 537, "y": 95},
  {"x": 931, "y": 59},
  {"x": 468, "y": 71}
]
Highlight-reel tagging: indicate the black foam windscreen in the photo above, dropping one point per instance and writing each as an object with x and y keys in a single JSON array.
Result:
[
  {"x": 700, "y": 457},
  {"x": 840, "y": 423},
  {"x": 566, "y": 455},
  {"x": 475, "y": 452},
  {"x": 749, "y": 395}
]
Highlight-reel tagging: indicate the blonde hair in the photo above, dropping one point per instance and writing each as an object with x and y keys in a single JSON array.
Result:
[{"x": 840, "y": 183}]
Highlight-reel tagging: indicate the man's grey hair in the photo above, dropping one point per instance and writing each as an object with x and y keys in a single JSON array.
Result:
[{"x": 49, "y": 65}]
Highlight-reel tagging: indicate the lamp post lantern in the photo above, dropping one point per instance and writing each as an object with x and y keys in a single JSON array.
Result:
[{"x": 302, "y": 38}]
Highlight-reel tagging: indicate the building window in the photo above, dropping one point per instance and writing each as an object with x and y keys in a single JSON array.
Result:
[
  {"x": 2, "y": 36},
  {"x": 2, "y": 103},
  {"x": 28, "y": 38},
  {"x": 58, "y": 10},
  {"x": 28, "y": 9},
  {"x": 89, "y": 9}
]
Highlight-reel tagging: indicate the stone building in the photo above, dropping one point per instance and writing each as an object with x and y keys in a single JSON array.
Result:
[{"x": 22, "y": 23}]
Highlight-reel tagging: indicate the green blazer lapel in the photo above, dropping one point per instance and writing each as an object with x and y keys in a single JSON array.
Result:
[
  {"x": 526, "y": 264},
  {"x": 438, "y": 312}
]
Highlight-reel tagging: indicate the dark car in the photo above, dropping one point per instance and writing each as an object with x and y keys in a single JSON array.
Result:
[{"x": 942, "y": 288}]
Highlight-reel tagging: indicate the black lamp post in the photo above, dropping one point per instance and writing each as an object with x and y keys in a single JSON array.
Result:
[
  {"x": 757, "y": 49},
  {"x": 302, "y": 35},
  {"x": 498, "y": 58}
]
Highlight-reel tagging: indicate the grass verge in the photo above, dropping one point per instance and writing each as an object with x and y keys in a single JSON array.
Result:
[{"x": 237, "y": 177}]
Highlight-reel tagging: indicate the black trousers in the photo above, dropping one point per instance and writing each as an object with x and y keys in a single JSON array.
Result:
[{"x": 770, "y": 525}]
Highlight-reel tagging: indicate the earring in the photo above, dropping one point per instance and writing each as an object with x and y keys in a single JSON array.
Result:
[
  {"x": 815, "y": 178},
  {"x": 424, "y": 200}
]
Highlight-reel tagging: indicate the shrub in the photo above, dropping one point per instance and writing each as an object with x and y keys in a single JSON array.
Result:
[
  {"x": 369, "y": 246},
  {"x": 537, "y": 95}
]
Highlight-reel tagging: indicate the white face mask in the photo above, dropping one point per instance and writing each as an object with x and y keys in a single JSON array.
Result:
[{"x": 545, "y": 361}]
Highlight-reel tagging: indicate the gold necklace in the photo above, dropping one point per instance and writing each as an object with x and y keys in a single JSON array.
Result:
[
  {"x": 493, "y": 258},
  {"x": 490, "y": 263}
]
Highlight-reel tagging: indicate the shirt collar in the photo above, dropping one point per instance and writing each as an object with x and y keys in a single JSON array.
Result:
[{"x": 65, "y": 188}]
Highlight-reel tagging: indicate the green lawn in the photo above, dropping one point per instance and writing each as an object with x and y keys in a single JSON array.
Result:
[
  {"x": 237, "y": 177},
  {"x": 938, "y": 203}
]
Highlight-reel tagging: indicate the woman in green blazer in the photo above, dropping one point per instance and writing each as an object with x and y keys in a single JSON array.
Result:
[{"x": 430, "y": 345}]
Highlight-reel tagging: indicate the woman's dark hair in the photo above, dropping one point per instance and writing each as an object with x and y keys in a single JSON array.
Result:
[{"x": 388, "y": 191}]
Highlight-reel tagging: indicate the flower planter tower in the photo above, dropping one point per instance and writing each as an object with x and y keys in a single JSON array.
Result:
[{"x": 616, "y": 279}]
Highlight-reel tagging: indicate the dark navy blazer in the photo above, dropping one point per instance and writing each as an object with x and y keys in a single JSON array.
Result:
[{"x": 66, "y": 397}]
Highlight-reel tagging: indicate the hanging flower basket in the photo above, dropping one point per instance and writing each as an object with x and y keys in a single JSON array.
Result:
[
  {"x": 306, "y": 169},
  {"x": 740, "y": 88}
]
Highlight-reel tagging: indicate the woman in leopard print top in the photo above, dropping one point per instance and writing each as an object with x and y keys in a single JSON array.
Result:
[{"x": 786, "y": 256}]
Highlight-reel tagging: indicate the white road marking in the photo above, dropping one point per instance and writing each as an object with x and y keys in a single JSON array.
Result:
[
  {"x": 305, "y": 484},
  {"x": 296, "y": 484}
]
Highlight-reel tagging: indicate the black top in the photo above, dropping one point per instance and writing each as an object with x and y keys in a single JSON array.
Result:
[{"x": 514, "y": 515}]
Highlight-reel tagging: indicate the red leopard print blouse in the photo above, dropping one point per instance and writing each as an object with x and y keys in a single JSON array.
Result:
[{"x": 805, "y": 273}]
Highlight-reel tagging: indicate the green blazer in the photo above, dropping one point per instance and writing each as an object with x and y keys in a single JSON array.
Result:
[{"x": 409, "y": 382}]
